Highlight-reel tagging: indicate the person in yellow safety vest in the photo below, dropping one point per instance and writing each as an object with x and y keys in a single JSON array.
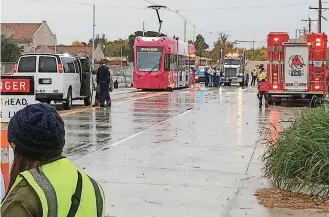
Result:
[
  {"x": 254, "y": 76},
  {"x": 210, "y": 72},
  {"x": 43, "y": 183},
  {"x": 262, "y": 73}
]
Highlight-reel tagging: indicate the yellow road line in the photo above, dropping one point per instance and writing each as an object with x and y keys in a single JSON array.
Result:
[{"x": 116, "y": 102}]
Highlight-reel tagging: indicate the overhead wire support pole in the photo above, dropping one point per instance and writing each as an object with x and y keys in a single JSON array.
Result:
[
  {"x": 93, "y": 40},
  {"x": 309, "y": 20},
  {"x": 185, "y": 31},
  {"x": 320, "y": 9}
]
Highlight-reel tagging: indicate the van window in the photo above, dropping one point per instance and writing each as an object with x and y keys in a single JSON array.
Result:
[
  {"x": 68, "y": 65},
  {"x": 47, "y": 64},
  {"x": 27, "y": 64},
  {"x": 85, "y": 65},
  {"x": 77, "y": 66}
]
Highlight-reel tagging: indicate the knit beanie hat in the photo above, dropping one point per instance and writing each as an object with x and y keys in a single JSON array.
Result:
[{"x": 37, "y": 131}]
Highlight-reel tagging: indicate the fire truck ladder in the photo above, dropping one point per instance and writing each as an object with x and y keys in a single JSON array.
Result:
[{"x": 157, "y": 8}]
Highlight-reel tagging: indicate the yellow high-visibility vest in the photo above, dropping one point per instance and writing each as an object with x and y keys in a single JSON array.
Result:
[
  {"x": 261, "y": 75},
  {"x": 56, "y": 185}
]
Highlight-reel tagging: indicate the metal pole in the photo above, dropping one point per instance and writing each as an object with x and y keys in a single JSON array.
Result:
[
  {"x": 185, "y": 31},
  {"x": 296, "y": 33},
  {"x": 55, "y": 43},
  {"x": 309, "y": 25},
  {"x": 93, "y": 40},
  {"x": 143, "y": 28},
  {"x": 253, "y": 50},
  {"x": 320, "y": 16},
  {"x": 193, "y": 33},
  {"x": 121, "y": 59}
]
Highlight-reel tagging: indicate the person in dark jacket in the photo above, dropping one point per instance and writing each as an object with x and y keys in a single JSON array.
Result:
[
  {"x": 104, "y": 80},
  {"x": 206, "y": 76}
]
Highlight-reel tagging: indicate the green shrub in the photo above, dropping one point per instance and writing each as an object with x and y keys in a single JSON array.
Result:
[{"x": 300, "y": 156}]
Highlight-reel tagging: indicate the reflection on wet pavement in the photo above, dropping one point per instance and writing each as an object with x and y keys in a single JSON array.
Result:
[{"x": 178, "y": 153}]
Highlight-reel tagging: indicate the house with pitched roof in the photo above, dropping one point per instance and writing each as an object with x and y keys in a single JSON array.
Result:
[
  {"x": 29, "y": 36},
  {"x": 83, "y": 50}
]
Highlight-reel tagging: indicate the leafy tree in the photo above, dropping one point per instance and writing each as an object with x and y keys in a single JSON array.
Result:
[
  {"x": 259, "y": 54},
  {"x": 9, "y": 50},
  {"x": 131, "y": 40},
  {"x": 113, "y": 48},
  {"x": 223, "y": 45},
  {"x": 200, "y": 44},
  {"x": 79, "y": 43},
  {"x": 99, "y": 41}
]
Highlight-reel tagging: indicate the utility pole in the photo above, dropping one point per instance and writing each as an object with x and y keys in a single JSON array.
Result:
[
  {"x": 143, "y": 28},
  {"x": 185, "y": 31},
  {"x": 193, "y": 33},
  {"x": 309, "y": 20},
  {"x": 320, "y": 16},
  {"x": 253, "y": 46},
  {"x": 93, "y": 40}
]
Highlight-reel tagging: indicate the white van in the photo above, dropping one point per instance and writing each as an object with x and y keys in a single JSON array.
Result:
[{"x": 59, "y": 78}]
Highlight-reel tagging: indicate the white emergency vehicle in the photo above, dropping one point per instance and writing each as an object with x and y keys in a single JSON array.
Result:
[{"x": 59, "y": 77}]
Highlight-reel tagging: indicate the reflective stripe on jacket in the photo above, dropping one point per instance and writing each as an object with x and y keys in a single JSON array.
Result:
[{"x": 62, "y": 190}]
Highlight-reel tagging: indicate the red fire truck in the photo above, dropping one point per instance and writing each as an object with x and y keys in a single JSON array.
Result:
[{"x": 296, "y": 68}]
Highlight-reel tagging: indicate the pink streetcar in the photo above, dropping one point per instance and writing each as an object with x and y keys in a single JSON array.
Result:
[{"x": 160, "y": 63}]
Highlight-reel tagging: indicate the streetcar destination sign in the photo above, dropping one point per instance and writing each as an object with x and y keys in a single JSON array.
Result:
[
  {"x": 149, "y": 49},
  {"x": 16, "y": 93}
]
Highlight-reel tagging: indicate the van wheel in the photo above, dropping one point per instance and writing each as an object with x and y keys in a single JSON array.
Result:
[
  {"x": 67, "y": 105},
  {"x": 87, "y": 100}
]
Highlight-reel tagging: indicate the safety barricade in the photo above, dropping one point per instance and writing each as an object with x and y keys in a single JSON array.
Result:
[{"x": 4, "y": 157}]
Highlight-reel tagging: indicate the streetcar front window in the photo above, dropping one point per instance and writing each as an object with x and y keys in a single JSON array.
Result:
[{"x": 149, "y": 59}]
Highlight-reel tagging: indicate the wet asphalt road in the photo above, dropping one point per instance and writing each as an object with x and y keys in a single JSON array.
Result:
[{"x": 183, "y": 153}]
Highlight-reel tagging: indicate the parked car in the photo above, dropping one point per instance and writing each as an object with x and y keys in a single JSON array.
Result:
[
  {"x": 199, "y": 75},
  {"x": 59, "y": 77}
]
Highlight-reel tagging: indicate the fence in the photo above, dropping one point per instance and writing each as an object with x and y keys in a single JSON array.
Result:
[
  {"x": 122, "y": 75},
  {"x": 6, "y": 67}
]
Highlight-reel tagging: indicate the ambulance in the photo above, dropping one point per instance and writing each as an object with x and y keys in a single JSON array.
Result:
[{"x": 296, "y": 68}]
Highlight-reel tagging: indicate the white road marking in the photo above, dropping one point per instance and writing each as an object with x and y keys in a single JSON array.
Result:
[
  {"x": 185, "y": 112},
  {"x": 125, "y": 139}
]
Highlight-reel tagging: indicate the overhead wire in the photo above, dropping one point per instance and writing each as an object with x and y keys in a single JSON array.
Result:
[
  {"x": 86, "y": 4},
  {"x": 248, "y": 6}
]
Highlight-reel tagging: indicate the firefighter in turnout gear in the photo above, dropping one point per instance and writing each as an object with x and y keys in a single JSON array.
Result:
[
  {"x": 263, "y": 88},
  {"x": 43, "y": 182}
]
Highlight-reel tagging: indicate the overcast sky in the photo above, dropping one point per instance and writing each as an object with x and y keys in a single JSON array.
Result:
[{"x": 71, "y": 20}]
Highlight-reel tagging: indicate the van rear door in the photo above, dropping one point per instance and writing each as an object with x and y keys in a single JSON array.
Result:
[
  {"x": 85, "y": 77},
  {"x": 50, "y": 80}
]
